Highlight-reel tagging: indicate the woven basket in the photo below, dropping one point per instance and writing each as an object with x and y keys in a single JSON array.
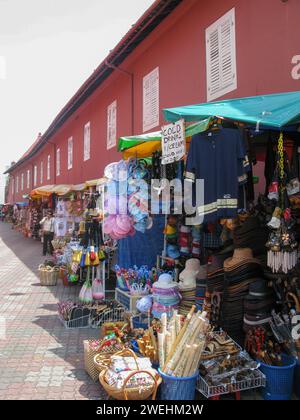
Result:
[
  {"x": 102, "y": 361},
  {"x": 48, "y": 275},
  {"x": 131, "y": 394},
  {"x": 89, "y": 355}
]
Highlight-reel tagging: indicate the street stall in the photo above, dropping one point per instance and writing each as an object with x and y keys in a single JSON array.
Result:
[
  {"x": 236, "y": 261},
  {"x": 205, "y": 275}
]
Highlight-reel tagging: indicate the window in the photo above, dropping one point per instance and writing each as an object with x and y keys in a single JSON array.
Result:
[
  {"x": 17, "y": 187},
  {"x": 35, "y": 175},
  {"x": 48, "y": 167},
  {"x": 112, "y": 126},
  {"x": 151, "y": 100},
  {"x": 221, "y": 57},
  {"x": 22, "y": 182},
  {"x": 58, "y": 162},
  {"x": 87, "y": 142},
  {"x": 13, "y": 186},
  {"x": 70, "y": 153},
  {"x": 28, "y": 179},
  {"x": 42, "y": 173}
]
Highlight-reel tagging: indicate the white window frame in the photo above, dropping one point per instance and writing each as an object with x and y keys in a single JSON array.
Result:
[
  {"x": 28, "y": 179},
  {"x": 35, "y": 175},
  {"x": 58, "y": 162},
  {"x": 70, "y": 153},
  {"x": 112, "y": 125},
  {"x": 87, "y": 142},
  {"x": 13, "y": 186},
  {"x": 48, "y": 168},
  {"x": 22, "y": 181},
  {"x": 17, "y": 186},
  {"x": 151, "y": 100},
  {"x": 218, "y": 57},
  {"x": 42, "y": 172}
]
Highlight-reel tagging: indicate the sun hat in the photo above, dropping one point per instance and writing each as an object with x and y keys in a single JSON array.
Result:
[
  {"x": 109, "y": 223},
  {"x": 165, "y": 281},
  {"x": 123, "y": 224}
]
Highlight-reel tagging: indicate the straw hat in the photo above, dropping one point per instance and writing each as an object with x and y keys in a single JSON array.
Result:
[{"x": 241, "y": 256}]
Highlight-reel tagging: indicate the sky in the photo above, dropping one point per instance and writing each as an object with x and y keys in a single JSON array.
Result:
[{"x": 48, "y": 48}]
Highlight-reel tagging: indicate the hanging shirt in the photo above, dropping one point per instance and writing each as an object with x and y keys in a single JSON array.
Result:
[{"x": 218, "y": 158}]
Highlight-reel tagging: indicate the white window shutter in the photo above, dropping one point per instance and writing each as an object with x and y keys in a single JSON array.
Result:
[
  {"x": 87, "y": 142},
  {"x": 151, "y": 100},
  {"x": 48, "y": 167},
  {"x": 112, "y": 126},
  {"x": 42, "y": 172},
  {"x": 58, "y": 162},
  {"x": 70, "y": 153},
  {"x": 221, "y": 57}
]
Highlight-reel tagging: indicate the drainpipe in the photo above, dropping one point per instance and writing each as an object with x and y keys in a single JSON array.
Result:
[{"x": 131, "y": 75}]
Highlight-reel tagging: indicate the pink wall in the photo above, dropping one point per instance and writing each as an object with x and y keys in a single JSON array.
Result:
[{"x": 267, "y": 34}]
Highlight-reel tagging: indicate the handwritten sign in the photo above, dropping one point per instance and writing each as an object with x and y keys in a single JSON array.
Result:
[{"x": 173, "y": 142}]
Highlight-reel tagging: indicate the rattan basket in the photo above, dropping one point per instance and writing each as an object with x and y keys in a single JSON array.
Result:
[
  {"x": 102, "y": 361},
  {"x": 125, "y": 393},
  {"x": 48, "y": 275}
]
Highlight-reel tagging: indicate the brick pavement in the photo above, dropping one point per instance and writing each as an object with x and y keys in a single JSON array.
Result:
[{"x": 39, "y": 358}]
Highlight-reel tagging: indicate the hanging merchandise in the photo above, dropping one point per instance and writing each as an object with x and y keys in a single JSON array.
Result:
[
  {"x": 218, "y": 158},
  {"x": 86, "y": 293},
  {"x": 282, "y": 245},
  {"x": 98, "y": 289}
]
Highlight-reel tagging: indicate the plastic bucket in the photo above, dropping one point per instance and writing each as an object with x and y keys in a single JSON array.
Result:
[
  {"x": 280, "y": 379},
  {"x": 177, "y": 389}
]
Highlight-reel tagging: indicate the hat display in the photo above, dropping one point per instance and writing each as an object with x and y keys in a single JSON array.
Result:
[
  {"x": 237, "y": 282},
  {"x": 241, "y": 256},
  {"x": 166, "y": 296},
  {"x": 258, "y": 305}
]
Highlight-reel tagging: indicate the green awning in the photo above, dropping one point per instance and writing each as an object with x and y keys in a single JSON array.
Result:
[
  {"x": 126, "y": 143},
  {"x": 277, "y": 110}
]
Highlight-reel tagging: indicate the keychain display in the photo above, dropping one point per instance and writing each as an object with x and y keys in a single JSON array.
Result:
[{"x": 282, "y": 245}]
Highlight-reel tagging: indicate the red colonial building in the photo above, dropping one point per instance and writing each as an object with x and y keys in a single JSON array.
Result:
[{"x": 179, "y": 52}]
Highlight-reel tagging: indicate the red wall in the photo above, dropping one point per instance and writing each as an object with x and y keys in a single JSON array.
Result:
[{"x": 267, "y": 34}]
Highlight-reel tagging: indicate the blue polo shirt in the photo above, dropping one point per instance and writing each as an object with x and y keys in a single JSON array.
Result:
[{"x": 219, "y": 158}]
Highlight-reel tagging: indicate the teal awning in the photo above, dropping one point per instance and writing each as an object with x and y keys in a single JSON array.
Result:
[{"x": 277, "y": 110}]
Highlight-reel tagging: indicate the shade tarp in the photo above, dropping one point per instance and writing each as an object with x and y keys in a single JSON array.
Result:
[
  {"x": 144, "y": 145},
  {"x": 276, "y": 110},
  {"x": 48, "y": 190}
]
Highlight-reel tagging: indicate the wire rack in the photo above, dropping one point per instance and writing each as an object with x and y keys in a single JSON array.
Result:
[
  {"x": 82, "y": 322},
  {"x": 109, "y": 315},
  {"x": 94, "y": 320},
  {"x": 213, "y": 391},
  {"x": 255, "y": 379}
]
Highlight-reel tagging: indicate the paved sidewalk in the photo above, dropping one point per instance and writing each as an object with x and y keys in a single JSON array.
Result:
[{"x": 39, "y": 358}]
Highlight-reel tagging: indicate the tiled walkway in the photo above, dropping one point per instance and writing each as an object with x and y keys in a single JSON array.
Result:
[{"x": 39, "y": 358}]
